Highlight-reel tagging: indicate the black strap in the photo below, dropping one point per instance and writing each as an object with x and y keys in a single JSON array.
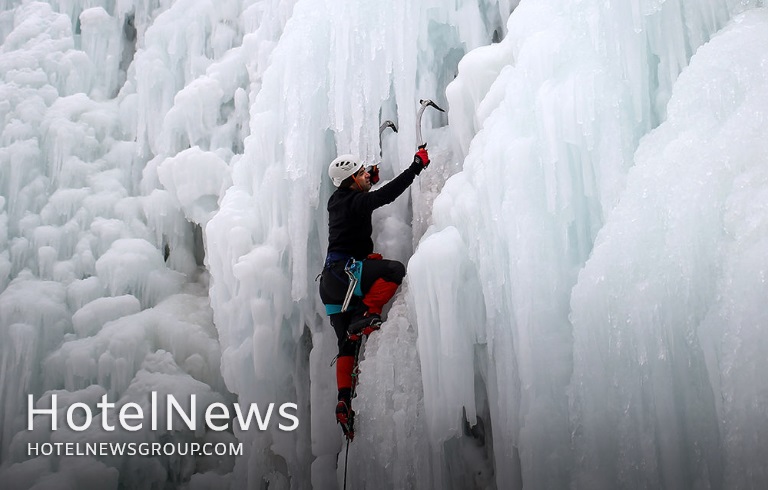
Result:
[{"x": 334, "y": 257}]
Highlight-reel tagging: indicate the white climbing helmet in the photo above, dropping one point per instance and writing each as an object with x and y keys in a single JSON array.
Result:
[{"x": 342, "y": 167}]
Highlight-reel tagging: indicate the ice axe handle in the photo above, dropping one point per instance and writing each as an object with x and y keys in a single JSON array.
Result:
[{"x": 423, "y": 104}]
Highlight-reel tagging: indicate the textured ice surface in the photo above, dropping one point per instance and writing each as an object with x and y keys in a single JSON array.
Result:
[{"x": 584, "y": 305}]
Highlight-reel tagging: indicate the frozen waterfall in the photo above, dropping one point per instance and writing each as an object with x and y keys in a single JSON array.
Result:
[{"x": 586, "y": 252}]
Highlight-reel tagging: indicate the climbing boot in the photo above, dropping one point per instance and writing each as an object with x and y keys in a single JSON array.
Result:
[
  {"x": 345, "y": 417},
  {"x": 363, "y": 325}
]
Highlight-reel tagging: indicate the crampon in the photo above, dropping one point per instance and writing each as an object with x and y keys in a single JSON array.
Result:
[{"x": 345, "y": 417}]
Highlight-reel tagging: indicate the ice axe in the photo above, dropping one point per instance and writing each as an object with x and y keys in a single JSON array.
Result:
[
  {"x": 424, "y": 104},
  {"x": 385, "y": 125},
  {"x": 374, "y": 169}
]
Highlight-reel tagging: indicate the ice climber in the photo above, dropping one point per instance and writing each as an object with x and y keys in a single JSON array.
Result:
[{"x": 351, "y": 261}]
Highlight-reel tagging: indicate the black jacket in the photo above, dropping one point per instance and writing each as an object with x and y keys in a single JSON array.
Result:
[{"x": 349, "y": 214}]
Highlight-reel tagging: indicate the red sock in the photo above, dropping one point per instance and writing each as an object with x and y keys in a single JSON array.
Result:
[
  {"x": 344, "y": 366},
  {"x": 381, "y": 291}
]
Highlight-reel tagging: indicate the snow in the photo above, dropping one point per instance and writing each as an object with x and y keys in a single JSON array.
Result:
[{"x": 586, "y": 276}]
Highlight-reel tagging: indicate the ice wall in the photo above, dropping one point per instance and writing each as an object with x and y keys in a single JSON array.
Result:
[
  {"x": 549, "y": 120},
  {"x": 139, "y": 136},
  {"x": 667, "y": 313},
  {"x": 337, "y": 71},
  {"x": 101, "y": 285}
]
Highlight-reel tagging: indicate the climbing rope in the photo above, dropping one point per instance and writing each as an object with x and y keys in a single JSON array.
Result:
[{"x": 352, "y": 396}]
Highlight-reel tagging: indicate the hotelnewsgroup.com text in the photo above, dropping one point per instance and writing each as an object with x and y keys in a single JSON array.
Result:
[{"x": 134, "y": 449}]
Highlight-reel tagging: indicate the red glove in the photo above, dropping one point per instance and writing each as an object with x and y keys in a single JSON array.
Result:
[
  {"x": 422, "y": 157},
  {"x": 374, "y": 256},
  {"x": 373, "y": 171}
]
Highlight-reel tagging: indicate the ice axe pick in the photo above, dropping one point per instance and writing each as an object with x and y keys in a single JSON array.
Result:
[
  {"x": 424, "y": 103},
  {"x": 385, "y": 125}
]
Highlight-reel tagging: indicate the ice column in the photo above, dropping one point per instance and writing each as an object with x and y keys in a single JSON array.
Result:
[
  {"x": 336, "y": 68},
  {"x": 667, "y": 314},
  {"x": 549, "y": 120}
]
